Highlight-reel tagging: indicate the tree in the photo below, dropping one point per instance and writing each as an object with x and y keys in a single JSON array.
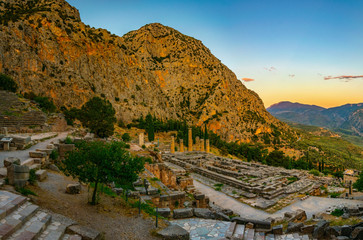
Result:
[
  {"x": 359, "y": 183},
  {"x": 7, "y": 83},
  {"x": 150, "y": 127},
  {"x": 99, "y": 116},
  {"x": 101, "y": 163},
  {"x": 126, "y": 137}
]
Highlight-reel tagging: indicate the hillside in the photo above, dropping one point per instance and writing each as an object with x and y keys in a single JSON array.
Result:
[
  {"x": 347, "y": 119},
  {"x": 156, "y": 69}
]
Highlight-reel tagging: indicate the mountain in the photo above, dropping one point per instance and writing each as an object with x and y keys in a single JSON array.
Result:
[
  {"x": 47, "y": 49},
  {"x": 347, "y": 118}
]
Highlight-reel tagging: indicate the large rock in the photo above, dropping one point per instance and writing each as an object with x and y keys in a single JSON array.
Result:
[
  {"x": 11, "y": 160},
  {"x": 320, "y": 228},
  {"x": 41, "y": 175},
  {"x": 300, "y": 215},
  {"x": 183, "y": 213},
  {"x": 86, "y": 232},
  {"x": 174, "y": 232},
  {"x": 258, "y": 223},
  {"x": 294, "y": 227},
  {"x": 164, "y": 212},
  {"x": 74, "y": 188},
  {"x": 203, "y": 213},
  {"x": 357, "y": 233},
  {"x": 18, "y": 175}
]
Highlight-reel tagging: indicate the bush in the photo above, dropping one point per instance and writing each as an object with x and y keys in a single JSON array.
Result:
[
  {"x": 68, "y": 140},
  {"x": 25, "y": 191},
  {"x": 334, "y": 194},
  {"x": 314, "y": 172},
  {"x": 54, "y": 154},
  {"x": 32, "y": 177},
  {"x": 126, "y": 137},
  {"x": 337, "y": 212},
  {"x": 7, "y": 83}
]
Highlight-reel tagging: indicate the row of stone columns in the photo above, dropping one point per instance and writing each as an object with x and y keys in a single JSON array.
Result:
[{"x": 199, "y": 146}]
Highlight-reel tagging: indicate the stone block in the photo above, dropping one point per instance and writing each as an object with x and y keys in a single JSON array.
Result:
[
  {"x": 346, "y": 230},
  {"x": 64, "y": 148},
  {"x": 300, "y": 215},
  {"x": 277, "y": 230},
  {"x": 199, "y": 196},
  {"x": 17, "y": 174},
  {"x": 307, "y": 229},
  {"x": 37, "y": 154},
  {"x": 294, "y": 227},
  {"x": 249, "y": 225},
  {"x": 164, "y": 212},
  {"x": 183, "y": 213},
  {"x": 74, "y": 188},
  {"x": 11, "y": 160},
  {"x": 47, "y": 151},
  {"x": 50, "y": 146},
  {"x": 258, "y": 223},
  {"x": 320, "y": 228},
  {"x": 333, "y": 231},
  {"x": 41, "y": 175},
  {"x": 203, "y": 213},
  {"x": 174, "y": 232}
]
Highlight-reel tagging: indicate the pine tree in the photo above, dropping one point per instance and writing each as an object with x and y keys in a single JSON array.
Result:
[{"x": 150, "y": 127}]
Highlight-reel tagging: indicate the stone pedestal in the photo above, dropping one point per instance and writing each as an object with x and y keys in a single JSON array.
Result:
[
  {"x": 6, "y": 146},
  {"x": 5, "y": 131},
  {"x": 141, "y": 139},
  {"x": 207, "y": 146},
  {"x": 181, "y": 145},
  {"x": 190, "y": 140},
  {"x": 202, "y": 145},
  {"x": 172, "y": 145}
]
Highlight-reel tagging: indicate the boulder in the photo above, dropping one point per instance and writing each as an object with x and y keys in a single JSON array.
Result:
[
  {"x": 11, "y": 160},
  {"x": 277, "y": 230},
  {"x": 174, "y": 232},
  {"x": 53, "y": 167},
  {"x": 249, "y": 225},
  {"x": 183, "y": 213},
  {"x": 41, "y": 175},
  {"x": 300, "y": 215},
  {"x": 320, "y": 228},
  {"x": 346, "y": 230},
  {"x": 74, "y": 188},
  {"x": 164, "y": 212},
  {"x": 203, "y": 213},
  {"x": 219, "y": 215},
  {"x": 357, "y": 233},
  {"x": 294, "y": 227}
]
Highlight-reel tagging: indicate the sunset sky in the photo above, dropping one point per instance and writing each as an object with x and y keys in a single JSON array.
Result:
[{"x": 307, "y": 51}]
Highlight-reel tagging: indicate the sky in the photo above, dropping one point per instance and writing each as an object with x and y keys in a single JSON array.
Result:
[{"x": 307, "y": 51}]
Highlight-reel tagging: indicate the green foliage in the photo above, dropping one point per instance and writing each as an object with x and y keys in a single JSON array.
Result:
[
  {"x": 54, "y": 155},
  {"x": 99, "y": 116},
  {"x": 338, "y": 174},
  {"x": 101, "y": 163},
  {"x": 337, "y": 212},
  {"x": 150, "y": 128},
  {"x": 68, "y": 140},
  {"x": 25, "y": 191},
  {"x": 126, "y": 137},
  {"x": 314, "y": 172},
  {"x": 334, "y": 194},
  {"x": 45, "y": 103},
  {"x": 32, "y": 177},
  {"x": 71, "y": 115},
  {"x": 7, "y": 83},
  {"x": 359, "y": 183}
]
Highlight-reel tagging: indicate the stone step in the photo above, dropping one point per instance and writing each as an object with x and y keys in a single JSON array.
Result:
[
  {"x": 72, "y": 237},
  {"x": 16, "y": 219},
  {"x": 238, "y": 232},
  {"x": 230, "y": 230},
  {"x": 259, "y": 236},
  {"x": 33, "y": 228},
  {"x": 249, "y": 234},
  {"x": 36, "y": 166},
  {"x": 270, "y": 237},
  {"x": 54, "y": 231},
  {"x": 28, "y": 162},
  {"x": 9, "y": 202}
]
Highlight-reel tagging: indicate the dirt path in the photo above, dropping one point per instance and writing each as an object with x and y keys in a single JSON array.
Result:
[
  {"x": 24, "y": 154},
  {"x": 111, "y": 216}
]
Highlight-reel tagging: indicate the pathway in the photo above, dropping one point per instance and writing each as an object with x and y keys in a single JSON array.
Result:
[
  {"x": 24, "y": 154},
  {"x": 311, "y": 205}
]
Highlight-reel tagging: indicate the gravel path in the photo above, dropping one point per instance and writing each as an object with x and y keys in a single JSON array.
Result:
[
  {"x": 311, "y": 205},
  {"x": 24, "y": 154}
]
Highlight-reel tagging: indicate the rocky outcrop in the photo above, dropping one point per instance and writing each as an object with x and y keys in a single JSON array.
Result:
[{"x": 48, "y": 50}]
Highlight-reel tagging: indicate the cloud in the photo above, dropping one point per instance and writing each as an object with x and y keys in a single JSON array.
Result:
[
  {"x": 292, "y": 75},
  {"x": 248, "y": 79},
  {"x": 345, "y": 78},
  {"x": 270, "y": 69}
]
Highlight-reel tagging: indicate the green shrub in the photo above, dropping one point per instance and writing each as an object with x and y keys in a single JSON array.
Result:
[
  {"x": 337, "y": 212},
  {"x": 68, "y": 140},
  {"x": 7, "y": 83},
  {"x": 334, "y": 194},
  {"x": 32, "y": 177},
  {"x": 25, "y": 191},
  {"x": 54, "y": 154},
  {"x": 314, "y": 172},
  {"x": 126, "y": 137}
]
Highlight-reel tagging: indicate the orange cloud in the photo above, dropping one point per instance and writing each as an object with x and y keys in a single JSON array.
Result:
[
  {"x": 346, "y": 78},
  {"x": 248, "y": 79}
]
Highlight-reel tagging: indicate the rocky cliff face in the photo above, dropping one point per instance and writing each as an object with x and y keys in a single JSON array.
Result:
[{"x": 48, "y": 50}]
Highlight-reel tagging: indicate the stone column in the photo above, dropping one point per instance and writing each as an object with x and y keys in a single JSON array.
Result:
[
  {"x": 6, "y": 146},
  {"x": 190, "y": 140},
  {"x": 202, "y": 145},
  {"x": 207, "y": 146},
  {"x": 141, "y": 139},
  {"x": 181, "y": 145},
  {"x": 197, "y": 146},
  {"x": 172, "y": 146},
  {"x": 5, "y": 130}
]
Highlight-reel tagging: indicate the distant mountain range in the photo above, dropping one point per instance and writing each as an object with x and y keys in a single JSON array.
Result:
[{"x": 347, "y": 118}]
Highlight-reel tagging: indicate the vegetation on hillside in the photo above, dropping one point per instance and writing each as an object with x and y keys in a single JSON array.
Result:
[{"x": 7, "y": 83}]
